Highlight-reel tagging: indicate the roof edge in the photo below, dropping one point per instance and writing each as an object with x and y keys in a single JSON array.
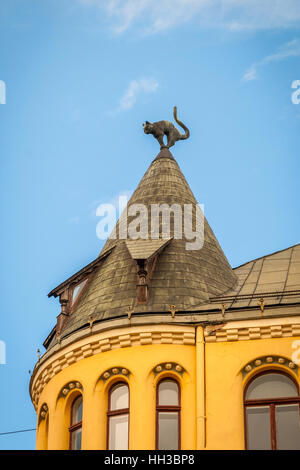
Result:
[
  {"x": 76, "y": 277},
  {"x": 265, "y": 256}
]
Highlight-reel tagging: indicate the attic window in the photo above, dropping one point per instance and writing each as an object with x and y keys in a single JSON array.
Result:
[{"x": 77, "y": 290}]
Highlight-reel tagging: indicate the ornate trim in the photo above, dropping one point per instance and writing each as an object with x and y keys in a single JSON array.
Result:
[
  {"x": 168, "y": 367},
  {"x": 106, "y": 341},
  {"x": 43, "y": 412},
  {"x": 68, "y": 387},
  {"x": 268, "y": 360},
  {"x": 114, "y": 371},
  {"x": 263, "y": 331}
]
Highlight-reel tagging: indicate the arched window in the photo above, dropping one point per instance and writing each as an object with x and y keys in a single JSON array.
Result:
[
  {"x": 168, "y": 415},
  {"x": 46, "y": 431},
  {"x": 272, "y": 412},
  {"x": 118, "y": 417},
  {"x": 76, "y": 424}
]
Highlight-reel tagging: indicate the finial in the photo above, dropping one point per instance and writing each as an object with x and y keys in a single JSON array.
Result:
[
  {"x": 161, "y": 128},
  {"x": 38, "y": 353},
  {"x": 261, "y": 304},
  {"x": 58, "y": 337},
  {"x": 173, "y": 310},
  {"x": 129, "y": 312},
  {"x": 223, "y": 308},
  {"x": 91, "y": 321}
]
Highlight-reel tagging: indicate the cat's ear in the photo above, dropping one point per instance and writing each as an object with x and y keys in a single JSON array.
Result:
[{"x": 147, "y": 122}]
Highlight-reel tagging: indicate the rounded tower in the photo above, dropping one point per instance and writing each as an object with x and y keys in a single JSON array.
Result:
[{"x": 123, "y": 367}]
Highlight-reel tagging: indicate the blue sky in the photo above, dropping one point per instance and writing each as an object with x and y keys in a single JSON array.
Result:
[{"x": 81, "y": 77}]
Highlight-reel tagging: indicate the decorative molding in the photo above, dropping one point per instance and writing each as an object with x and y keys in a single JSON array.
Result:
[
  {"x": 102, "y": 342},
  {"x": 242, "y": 333},
  {"x": 268, "y": 360},
  {"x": 43, "y": 412},
  {"x": 114, "y": 371},
  {"x": 74, "y": 385},
  {"x": 168, "y": 367}
]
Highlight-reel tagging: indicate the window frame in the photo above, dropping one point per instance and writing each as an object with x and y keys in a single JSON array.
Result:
[
  {"x": 73, "y": 303},
  {"x": 74, "y": 427},
  {"x": 121, "y": 411},
  {"x": 166, "y": 409},
  {"x": 271, "y": 403}
]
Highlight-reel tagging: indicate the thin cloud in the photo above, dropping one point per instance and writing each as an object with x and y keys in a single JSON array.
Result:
[
  {"x": 134, "y": 89},
  {"x": 287, "y": 50},
  {"x": 234, "y": 15}
]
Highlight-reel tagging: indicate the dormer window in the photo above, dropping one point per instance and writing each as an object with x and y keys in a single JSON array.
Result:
[{"x": 77, "y": 291}]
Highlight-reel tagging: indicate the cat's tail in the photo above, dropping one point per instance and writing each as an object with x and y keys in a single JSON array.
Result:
[{"x": 187, "y": 132}]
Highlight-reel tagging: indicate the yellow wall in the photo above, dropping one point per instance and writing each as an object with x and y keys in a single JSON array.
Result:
[
  {"x": 140, "y": 361},
  {"x": 211, "y": 393},
  {"x": 225, "y": 385}
]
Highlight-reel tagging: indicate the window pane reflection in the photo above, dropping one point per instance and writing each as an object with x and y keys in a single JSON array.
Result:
[
  {"x": 168, "y": 393},
  {"x": 258, "y": 428},
  {"x": 119, "y": 397},
  {"x": 167, "y": 430},
  {"x": 76, "y": 439},
  {"x": 118, "y": 432},
  {"x": 271, "y": 386},
  {"x": 77, "y": 411},
  {"x": 288, "y": 427},
  {"x": 77, "y": 290}
]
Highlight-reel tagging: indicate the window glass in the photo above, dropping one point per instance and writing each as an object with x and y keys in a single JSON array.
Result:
[
  {"x": 118, "y": 432},
  {"x": 288, "y": 427},
  {"x": 119, "y": 397},
  {"x": 258, "y": 428},
  {"x": 271, "y": 386},
  {"x": 168, "y": 430},
  {"x": 78, "y": 289},
  {"x": 118, "y": 417},
  {"x": 77, "y": 411},
  {"x": 76, "y": 439},
  {"x": 168, "y": 393}
]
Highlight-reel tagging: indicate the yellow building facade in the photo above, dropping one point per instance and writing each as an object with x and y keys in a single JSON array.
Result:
[{"x": 159, "y": 347}]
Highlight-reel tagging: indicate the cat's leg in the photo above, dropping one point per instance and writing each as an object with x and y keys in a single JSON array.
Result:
[
  {"x": 160, "y": 139},
  {"x": 171, "y": 141}
]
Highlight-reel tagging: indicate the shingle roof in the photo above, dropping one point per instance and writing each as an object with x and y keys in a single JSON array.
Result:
[
  {"x": 145, "y": 249},
  {"x": 181, "y": 277},
  {"x": 274, "y": 277}
]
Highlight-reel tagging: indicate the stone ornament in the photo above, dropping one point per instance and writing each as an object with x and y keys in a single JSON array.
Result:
[
  {"x": 168, "y": 366},
  {"x": 40, "y": 378},
  {"x": 68, "y": 387},
  {"x": 43, "y": 412},
  {"x": 114, "y": 371},
  {"x": 266, "y": 360}
]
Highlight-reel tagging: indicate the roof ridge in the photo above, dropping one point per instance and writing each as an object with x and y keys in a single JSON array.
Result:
[{"x": 266, "y": 256}]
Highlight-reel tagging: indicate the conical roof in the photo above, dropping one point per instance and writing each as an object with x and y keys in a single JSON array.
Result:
[{"x": 180, "y": 277}]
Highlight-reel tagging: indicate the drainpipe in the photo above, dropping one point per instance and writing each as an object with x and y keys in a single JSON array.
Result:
[{"x": 200, "y": 389}]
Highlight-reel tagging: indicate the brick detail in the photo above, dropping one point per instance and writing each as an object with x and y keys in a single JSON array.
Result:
[
  {"x": 261, "y": 332},
  {"x": 107, "y": 344}
]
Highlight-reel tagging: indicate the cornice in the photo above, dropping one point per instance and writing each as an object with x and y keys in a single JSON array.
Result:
[
  {"x": 102, "y": 342},
  {"x": 250, "y": 330}
]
